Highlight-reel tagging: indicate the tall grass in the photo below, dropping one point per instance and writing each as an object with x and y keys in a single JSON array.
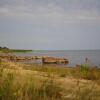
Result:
[
  {"x": 89, "y": 73},
  {"x": 12, "y": 89},
  {"x": 16, "y": 84}
]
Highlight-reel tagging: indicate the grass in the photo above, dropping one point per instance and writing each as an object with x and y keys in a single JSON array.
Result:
[
  {"x": 5, "y": 50},
  {"x": 30, "y": 88},
  {"x": 14, "y": 51},
  {"x": 20, "y": 51},
  {"x": 37, "y": 82}
]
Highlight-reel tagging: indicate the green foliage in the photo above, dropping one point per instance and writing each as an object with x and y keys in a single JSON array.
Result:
[
  {"x": 89, "y": 73},
  {"x": 20, "y": 51},
  {"x": 85, "y": 70},
  {"x": 7, "y": 50}
]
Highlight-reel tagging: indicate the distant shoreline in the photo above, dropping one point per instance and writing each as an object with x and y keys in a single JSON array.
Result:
[
  {"x": 7, "y": 50},
  {"x": 21, "y": 50}
]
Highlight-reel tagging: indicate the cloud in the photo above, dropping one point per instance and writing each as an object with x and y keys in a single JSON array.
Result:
[
  {"x": 51, "y": 12},
  {"x": 47, "y": 24}
]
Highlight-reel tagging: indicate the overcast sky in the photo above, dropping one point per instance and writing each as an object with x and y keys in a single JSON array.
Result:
[{"x": 50, "y": 24}]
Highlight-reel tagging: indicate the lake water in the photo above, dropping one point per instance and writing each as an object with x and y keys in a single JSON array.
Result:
[{"x": 74, "y": 56}]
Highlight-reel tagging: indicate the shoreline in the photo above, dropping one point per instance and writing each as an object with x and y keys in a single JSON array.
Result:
[
  {"x": 75, "y": 57},
  {"x": 20, "y": 50},
  {"x": 32, "y": 80}
]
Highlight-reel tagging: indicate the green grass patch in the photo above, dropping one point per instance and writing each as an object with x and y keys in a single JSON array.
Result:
[{"x": 21, "y": 51}]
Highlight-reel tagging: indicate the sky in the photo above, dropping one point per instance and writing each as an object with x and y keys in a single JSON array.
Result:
[{"x": 50, "y": 24}]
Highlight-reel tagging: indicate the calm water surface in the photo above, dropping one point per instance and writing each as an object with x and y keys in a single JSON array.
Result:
[{"x": 75, "y": 56}]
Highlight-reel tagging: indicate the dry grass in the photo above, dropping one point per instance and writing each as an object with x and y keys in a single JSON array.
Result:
[{"x": 36, "y": 82}]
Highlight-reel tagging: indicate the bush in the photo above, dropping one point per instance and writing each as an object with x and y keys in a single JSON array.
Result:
[{"x": 89, "y": 73}]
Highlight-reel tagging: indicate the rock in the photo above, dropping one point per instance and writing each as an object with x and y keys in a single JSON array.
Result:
[{"x": 52, "y": 60}]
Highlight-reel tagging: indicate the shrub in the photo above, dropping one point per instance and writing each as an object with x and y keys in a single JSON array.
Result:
[{"x": 89, "y": 73}]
